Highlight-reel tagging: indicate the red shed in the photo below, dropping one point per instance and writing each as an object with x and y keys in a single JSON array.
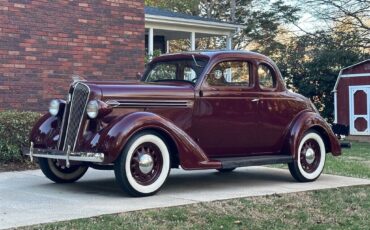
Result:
[{"x": 352, "y": 98}]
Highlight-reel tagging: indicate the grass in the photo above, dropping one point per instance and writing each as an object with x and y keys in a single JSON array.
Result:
[
  {"x": 342, "y": 208},
  {"x": 354, "y": 162}
]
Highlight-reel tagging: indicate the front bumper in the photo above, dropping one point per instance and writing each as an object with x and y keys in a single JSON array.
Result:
[{"x": 61, "y": 155}]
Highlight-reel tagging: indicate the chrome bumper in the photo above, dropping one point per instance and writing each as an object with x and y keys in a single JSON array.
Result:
[{"x": 61, "y": 155}]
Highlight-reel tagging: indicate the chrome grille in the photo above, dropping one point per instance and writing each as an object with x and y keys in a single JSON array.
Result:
[{"x": 75, "y": 116}]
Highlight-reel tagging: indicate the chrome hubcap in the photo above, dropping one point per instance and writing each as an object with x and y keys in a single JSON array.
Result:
[
  {"x": 310, "y": 155},
  {"x": 146, "y": 163}
]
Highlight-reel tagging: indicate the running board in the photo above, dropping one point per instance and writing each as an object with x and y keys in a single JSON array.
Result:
[{"x": 235, "y": 162}]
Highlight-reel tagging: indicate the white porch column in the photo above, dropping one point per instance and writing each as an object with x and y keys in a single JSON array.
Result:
[
  {"x": 192, "y": 41},
  {"x": 151, "y": 42},
  {"x": 229, "y": 42},
  {"x": 167, "y": 46}
]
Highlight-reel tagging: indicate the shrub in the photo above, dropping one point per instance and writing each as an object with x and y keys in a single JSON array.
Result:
[
  {"x": 15, "y": 128},
  {"x": 156, "y": 53}
]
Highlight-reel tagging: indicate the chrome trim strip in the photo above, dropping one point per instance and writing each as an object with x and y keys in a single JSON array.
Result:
[
  {"x": 113, "y": 103},
  {"x": 149, "y": 103}
]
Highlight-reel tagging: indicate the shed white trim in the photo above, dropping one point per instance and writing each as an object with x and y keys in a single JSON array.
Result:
[
  {"x": 341, "y": 75},
  {"x": 335, "y": 107},
  {"x": 350, "y": 75},
  {"x": 192, "y": 23},
  {"x": 352, "y": 116},
  {"x": 356, "y": 75}
]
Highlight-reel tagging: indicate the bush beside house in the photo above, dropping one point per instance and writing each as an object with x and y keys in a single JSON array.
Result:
[{"x": 14, "y": 134}]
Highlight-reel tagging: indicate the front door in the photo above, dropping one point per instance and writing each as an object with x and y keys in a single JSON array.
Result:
[
  {"x": 359, "y": 114},
  {"x": 225, "y": 113}
]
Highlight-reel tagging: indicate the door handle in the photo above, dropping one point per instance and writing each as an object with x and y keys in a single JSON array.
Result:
[{"x": 256, "y": 100}]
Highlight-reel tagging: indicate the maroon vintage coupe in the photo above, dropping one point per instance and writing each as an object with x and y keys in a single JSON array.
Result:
[{"x": 201, "y": 110}]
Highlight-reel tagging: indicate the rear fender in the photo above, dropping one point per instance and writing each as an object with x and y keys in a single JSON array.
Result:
[
  {"x": 112, "y": 139},
  {"x": 304, "y": 122}
]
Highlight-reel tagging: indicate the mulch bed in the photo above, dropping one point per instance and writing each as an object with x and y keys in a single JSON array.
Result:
[{"x": 17, "y": 166}]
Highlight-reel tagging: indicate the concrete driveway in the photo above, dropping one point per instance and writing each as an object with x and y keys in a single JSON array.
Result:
[{"x": 28, "y": 198}]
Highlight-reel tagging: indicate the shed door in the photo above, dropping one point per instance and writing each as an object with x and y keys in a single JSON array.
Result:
[{"x": 359, "y": 103}]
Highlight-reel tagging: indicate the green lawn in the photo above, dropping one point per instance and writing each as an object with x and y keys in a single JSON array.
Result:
[
  {"x": 343, "y": 208},
  {"x": 354, "y": 162}
]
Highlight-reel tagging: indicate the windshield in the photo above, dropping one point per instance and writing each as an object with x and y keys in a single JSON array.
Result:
[{"x": 187, "y": 70}]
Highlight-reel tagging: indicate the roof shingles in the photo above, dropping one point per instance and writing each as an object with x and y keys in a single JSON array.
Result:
[{"x": 172, "y": 14}]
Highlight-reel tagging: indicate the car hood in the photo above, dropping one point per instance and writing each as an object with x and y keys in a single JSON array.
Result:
[{"x": 141, "y": 91}]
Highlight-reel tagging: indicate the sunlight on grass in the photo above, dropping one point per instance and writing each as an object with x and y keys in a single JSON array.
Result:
[
  {"x": 343, "y": 208},
  {"x": 353, "y": 162}
]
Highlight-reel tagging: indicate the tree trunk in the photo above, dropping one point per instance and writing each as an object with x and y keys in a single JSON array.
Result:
[{"x": 232, "y": 10}]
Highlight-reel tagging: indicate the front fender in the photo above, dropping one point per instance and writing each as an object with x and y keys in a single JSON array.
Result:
[
  {"x": 113, "y": 138},
  {"x": 306, "y": 121},
  {"x": 45, "y": 132}
]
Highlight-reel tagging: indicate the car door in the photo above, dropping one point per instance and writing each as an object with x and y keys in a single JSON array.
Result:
[
  {"x": 225, "y": 111},
  {"x": 276, "y": 109}
]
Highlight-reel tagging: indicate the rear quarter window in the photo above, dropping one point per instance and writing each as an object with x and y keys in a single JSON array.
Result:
[{"x": 266, "y": 76}]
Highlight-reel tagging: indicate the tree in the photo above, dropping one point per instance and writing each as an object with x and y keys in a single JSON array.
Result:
[
  {"x": 232, "y": 10},
  {"x": 353, "y": 15},
  {"x": 311, "y": 64},
  {"x": 189, "y": 7}
]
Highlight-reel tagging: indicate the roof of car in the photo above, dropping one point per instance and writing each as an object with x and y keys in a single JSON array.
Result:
[{"x": 214, "y": 53}]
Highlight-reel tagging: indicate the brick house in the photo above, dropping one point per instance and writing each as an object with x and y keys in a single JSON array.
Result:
[{"x": 43, "y": 43}]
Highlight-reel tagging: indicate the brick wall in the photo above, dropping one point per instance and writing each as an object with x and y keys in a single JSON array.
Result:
[{"x": 44, "y": 42}]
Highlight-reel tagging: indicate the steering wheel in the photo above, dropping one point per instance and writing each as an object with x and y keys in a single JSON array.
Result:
[{"x": 194, "y": 80}]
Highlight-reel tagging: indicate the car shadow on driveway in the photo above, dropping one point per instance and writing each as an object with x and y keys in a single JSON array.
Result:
[{"x": 102, "y": 183}]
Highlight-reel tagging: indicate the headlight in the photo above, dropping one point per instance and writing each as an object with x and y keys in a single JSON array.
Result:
[
  {"x": 92, "y": 109},
  {"x": 54, "y": 107}
]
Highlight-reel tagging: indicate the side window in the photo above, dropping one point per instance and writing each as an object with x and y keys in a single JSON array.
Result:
[
  {"x": 163, "y": 71},
  {"x": 266, "y": 77},
  {"x": 231, "y": 73}
]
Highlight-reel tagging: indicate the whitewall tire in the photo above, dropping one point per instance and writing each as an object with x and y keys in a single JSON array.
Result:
[
  {"x": 144, "y": 164},
  {"x": 310, "y": 160}
]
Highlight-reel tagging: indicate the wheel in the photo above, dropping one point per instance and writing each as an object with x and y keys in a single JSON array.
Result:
[
  {"x": 226, "y": 170},
  {"x": 144, "y": 165},
  {"x": 310, "y": 159},
  {"x": 59, "y": 173}
]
